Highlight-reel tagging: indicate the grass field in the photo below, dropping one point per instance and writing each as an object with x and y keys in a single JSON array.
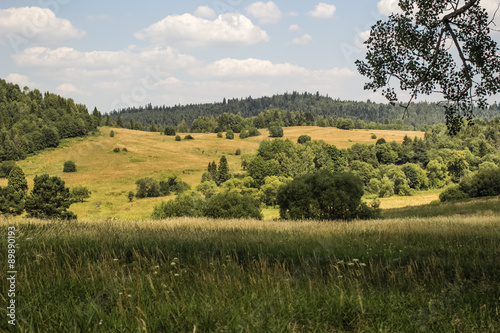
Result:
[
  {"x": 110, "y": 176},
  {"x": 195, "y": 275}
]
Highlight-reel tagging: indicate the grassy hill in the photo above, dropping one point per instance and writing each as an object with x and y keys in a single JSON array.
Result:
[{"x": 110, "y": 176}]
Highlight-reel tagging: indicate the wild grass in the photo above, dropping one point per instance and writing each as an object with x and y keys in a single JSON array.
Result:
[{"x": 196, "y": 275}]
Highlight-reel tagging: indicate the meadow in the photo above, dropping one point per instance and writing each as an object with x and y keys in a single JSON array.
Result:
[
  {"x": 110, "y": 176},
  {"x": 435, "y": 274}
]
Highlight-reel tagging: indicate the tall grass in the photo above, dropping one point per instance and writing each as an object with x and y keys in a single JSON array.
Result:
[{"x": 400, "y": 275}]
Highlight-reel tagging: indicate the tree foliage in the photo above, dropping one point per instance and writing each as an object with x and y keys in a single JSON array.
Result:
[
  {"x": 49, "y": 199},
  {"x": 435, "y": 45}
]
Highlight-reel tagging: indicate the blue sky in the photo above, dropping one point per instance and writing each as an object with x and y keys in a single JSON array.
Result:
[{"x": 113, "y": 54}]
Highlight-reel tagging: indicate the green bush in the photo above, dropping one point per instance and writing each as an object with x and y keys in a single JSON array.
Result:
[
  {"x": 219, "y": 135},
  {"x": 177, "y": 138},
  {"x": 79, "y": 193},
  {"x": 170, "y": 131},
  {"x": 244, "y": 134},
  {"x": 303, "y": 139},
  {"x": 188, "y": 137},
  {"x": 116, "y": 150},
  {"x": 5, "y": 168},
  {"x": 189, "y": 205},
  {"x": 238, "y": 152},
  {"x": 483, "y": 184},
  {"x": 275, "y": 130},
  {"x": 69, "y": 166},
  {"x": 230, "y": 205},
  {"x": 230, "y": 135},
  {"x": 112, "y": 134},
  {"x": 253, "y": 131},
  {"x": 452, "y": 193}
]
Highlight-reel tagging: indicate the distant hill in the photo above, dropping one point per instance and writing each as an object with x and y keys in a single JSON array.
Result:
[
  {"x": 418, "y": 115},
  {"x": 31, "y": 122}
]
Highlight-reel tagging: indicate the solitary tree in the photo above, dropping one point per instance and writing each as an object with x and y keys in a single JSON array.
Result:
[
  {"x": 222, "y": 171},
  {"x": 49, "y": 199},
  {"x": 435, "y": 45}
]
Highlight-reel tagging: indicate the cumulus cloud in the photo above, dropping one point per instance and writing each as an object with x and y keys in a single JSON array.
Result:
[
  {"x": 294, "y": 27},
  {"x": 323, "y": 10},
  {"x": 190, "y": 31},
  {"x": 66, "y": 57},
  {"x": 35, "y": 26},
  {"x": 251, "y": 67},
  {"x": 205, "y": 12},
  {"x": 304, "y": 40},
  {"x": 265, "y": 12},
  {"x": 21, "y": 80},
  {"x": 387, "y": 7}
]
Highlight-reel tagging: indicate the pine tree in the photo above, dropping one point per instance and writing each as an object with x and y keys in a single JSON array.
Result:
[
  {"x": 119, "y": 121},
  {"x": 223, "y": 171},
  {"x": 17, "y": 180}
]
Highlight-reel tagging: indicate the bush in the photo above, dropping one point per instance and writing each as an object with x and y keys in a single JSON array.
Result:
[
  {"x": 238, "y": 152},
  {"x": 69, "y": 166},
  {"x": 303, "y": 139},
  {"x": 79, "y": 194},
  {"x": 147, "y": 188},
  {"x": 230, "y": 205},
  {"x": 5, "y": 168},
  {"x": 188, "y": 205},
  {"x": 177, "y": 138},
  {"x": 112, "y": 134},
  {"x": 485, "y": 183},
  {"x": 253, "y": 131},
  {"x": 275, "y": 130},
  {"x": 374, "y": 137},
  {"x": 124, "y": 150},
  {"x": 452, "y": 193},
  {"x": 322, "y": 196},
  {"x": 244, "y": 134},
  {"x": 116, "y": 150},
  {"x": 188, "y": 137},
  {"x": 219, "y": 135},
  {"x": 169, "y": 130},
  {"x": 230, "y": 135}
]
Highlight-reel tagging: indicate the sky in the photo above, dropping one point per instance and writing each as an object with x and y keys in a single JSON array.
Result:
[{"x": 114, "y": 54}]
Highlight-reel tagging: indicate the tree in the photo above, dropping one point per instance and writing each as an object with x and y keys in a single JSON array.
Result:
[
  {"x": 79, "y": 193},
  {"x": 147, "y": 188},
  {"x": 222, "y": 171},
  {"x": 169, "y": 130},
  {"x": 17, "y": 180},
  {"x": 434, "y": 45},
  {"x": 11, "y": 201},
  {"x": 49, "y": 199},
  {"x": 275, "y": 130},
  {"x": 230, "y": 135},
  {"x": 69, "y": 166},
  {"x": 322, "y": 195},
  {"x": 229, "y": 205},
  {"x": 303, "y": 139}
]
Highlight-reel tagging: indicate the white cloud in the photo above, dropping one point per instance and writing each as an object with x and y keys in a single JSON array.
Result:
[
  {"x": 387, "y": 7},
  {"x": 69, "y": 90},
  {"x": 66, "y": 57},
  {"x": 21, "y": 80},
  {"x": 294, "y": 27},
  {"x": 205, "y": 12},
  {"x": 35, "y": 26},
  {"x": 190, "y": 31},
  {"x": 323, "y": 10},
  {"x": 265, "y": 12},
  {"x": 304, "y": 40}
]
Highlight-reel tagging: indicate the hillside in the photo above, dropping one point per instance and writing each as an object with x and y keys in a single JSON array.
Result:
[
  {"x": 312, "y": 105},
  {"x": 110, "y": 176},
  {"x": 31, "y": 122}
]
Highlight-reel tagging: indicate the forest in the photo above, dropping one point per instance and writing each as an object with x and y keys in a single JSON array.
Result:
[
  {"x": 311, "y": 107},
  {"x": 31, "y": 121}
]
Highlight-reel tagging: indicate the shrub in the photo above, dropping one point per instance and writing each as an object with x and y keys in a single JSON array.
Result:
[
  {"x": 189, "y": 205},
  {"x": 130, "y": 196},
  {"x": 124, "y": 150},
  {"x": 170, "y": 131},
  {"x": 238, "y": 152},
  {"x": 275, "y": 130},
  {"x": 11, "y": 201},
  {"x": 253, "y": 131},
  {"x": 177, "y": 138},
  {"x": 5, "y": 168},
  {"x": 219, "y": 135},
  {"x": 230, "y": 135},
  {"x": 69, "y": 166},
  {"x": 188, "y": 137},
  {"x": 229, "y": 205},
  {"x": 79, "y": 193},
  {"x": 244, "y": 134},
  {"x": 116, "y": 150},
  {"x": 452, "y": 193},
  {"x": 147, "y": 188},
  {"x": 303, "y": 139},
  {"x": 374, "y": 137},
  {"x": 322, "y": 196},
  {"x": 112, "y": 134}
]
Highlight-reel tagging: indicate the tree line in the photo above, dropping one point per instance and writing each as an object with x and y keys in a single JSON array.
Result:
[{"x": 308, "y": 108}]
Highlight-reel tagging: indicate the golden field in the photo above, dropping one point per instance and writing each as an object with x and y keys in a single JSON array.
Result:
[{"x": 110, "y": 176}]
